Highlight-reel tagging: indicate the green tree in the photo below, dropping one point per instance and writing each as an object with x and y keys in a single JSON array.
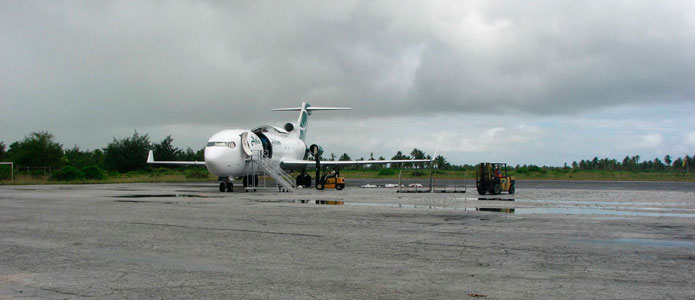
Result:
[
  {"x": 166, "y": 150},
  {"x": 190, "y": 155},
  {"x": 399, "y": 156},
  {"x": 36, "y": 150},
  {"x": 358, "y": 166},
  {"x": 98, "y": 157},
  {"x": 677, "y": 164},
  {"x": 441, "y": 163},
  {"x": 127, "y": 154},
  {"x": 2, "y": 151},
  {"x": 418, "y": 154},
  {"x": 667, "y": 161},
  {"x": 79, "y": 159},
  {"x": 688, "y": 163},
  {"x": 344, "y": 157}
]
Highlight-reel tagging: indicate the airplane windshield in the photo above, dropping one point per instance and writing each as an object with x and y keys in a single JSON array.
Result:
[{"x": 222, "y": 144}]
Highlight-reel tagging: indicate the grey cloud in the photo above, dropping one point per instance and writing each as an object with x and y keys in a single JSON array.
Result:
[{"x": 69, "y": 65}]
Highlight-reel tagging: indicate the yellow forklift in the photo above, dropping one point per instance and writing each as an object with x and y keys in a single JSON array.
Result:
[
  {"x": 492, "y": 178},
  {"x": 332, "y": 180}
]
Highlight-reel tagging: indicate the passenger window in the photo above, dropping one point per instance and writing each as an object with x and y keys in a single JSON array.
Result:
[{"x": 222, "y": 144}]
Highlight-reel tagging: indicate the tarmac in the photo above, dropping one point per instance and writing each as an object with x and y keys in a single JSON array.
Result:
[{"x": 182, "y": 241}]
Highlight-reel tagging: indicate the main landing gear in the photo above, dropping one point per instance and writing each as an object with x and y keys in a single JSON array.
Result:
[
  {"x": 226, "y": 185},
  {"x": 303, "y": 179},
  {"x": 250, "y": 181}
]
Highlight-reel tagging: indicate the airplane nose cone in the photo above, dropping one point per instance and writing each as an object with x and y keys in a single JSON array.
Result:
[{"x": 214, "y": 160}]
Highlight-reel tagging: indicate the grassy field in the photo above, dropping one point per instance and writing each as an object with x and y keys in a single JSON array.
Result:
[
  {"x": 544, "y": 175},
  {"x": 181, "y": 176},
  {"x": 119, "y": 178}
]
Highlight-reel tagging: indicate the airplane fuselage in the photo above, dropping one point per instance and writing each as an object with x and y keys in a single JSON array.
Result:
[{"x": 228, "y": 153}]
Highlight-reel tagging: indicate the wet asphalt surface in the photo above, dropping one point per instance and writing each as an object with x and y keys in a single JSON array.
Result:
[{"x": 589, "y": 240}]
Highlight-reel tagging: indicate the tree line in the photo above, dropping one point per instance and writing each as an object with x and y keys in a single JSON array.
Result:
[
  {"x": 633, "y": 163},
  {"x": 39, "y": 149}
]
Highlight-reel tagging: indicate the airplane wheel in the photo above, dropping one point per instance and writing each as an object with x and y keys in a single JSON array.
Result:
[
  {"x": 512, "y": 190},
  {"x": 222, "y": 186},
  {"x": 319, "y": 186},
  {"x": 255, "y": 181},
  {"x": 307, "y": 181},
  {"x": 230, "y": 187},
  {"x": 481, "y": 190},
  {"x": 300, "y": 180},
  {"x": 496, "y": 189}
]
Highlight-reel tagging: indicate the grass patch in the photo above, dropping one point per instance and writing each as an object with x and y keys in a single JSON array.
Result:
[{"x": 201, "y": 175}]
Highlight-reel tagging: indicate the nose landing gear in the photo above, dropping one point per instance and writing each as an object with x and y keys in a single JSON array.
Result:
[{"x": 226, "y": 185}]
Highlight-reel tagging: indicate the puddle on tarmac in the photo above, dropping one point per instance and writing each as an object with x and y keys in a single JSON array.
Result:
[
  {"x": 496, "y": 209},
  {"x": 599, "y": 211},
  {"x": 164, "y": 196},
  {"x": 158, "y": 202},
  {"x": 321, "y": 202},
  {"x": 584, "y": 211},
  {"x": 645, "y": 242},
  {"x": 492, "y": 199},
  {"x": 573, "y": 202}
]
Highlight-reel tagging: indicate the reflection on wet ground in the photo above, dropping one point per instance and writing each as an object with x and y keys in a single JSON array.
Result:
[
  {"x": 585, "y": 211},
  {"x": 492, "y": 199},
  {"x": 496, "y": 209},
  {"x": 321, "y": 202},
  {"x": 165, "y": 196},
  {"x": 591, "y": 210},
  {"x": 644, "y": 242}
]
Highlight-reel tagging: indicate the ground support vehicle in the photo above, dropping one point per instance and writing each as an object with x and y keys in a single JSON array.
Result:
[
  {"x": 335, "y": 182},
  {"x": 492, "y": 178}
]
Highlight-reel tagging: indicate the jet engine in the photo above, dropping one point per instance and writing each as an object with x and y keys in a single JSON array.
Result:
[{"x": 315, "y": 150}]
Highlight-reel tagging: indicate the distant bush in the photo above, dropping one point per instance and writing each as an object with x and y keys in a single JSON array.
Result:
[
  {"x": 386, "y": 172},
  {"x": 417, "y": 173},
  {"x": 533, "y": 168},
  {"x": 93, "y": 172},
  {"x": 5, "y": 172},
  {"x": 196, "y": 173},
  {"x": 68, "y": 173},
  {"x": 522, "y": 170},
  {"x": 136, "y": 173},
  {"x": 163, "y": 171}
]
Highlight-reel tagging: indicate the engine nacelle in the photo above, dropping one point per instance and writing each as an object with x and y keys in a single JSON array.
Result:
[
  {"x": 315, "y": 150},
  {"x": 289, "y": 127}
]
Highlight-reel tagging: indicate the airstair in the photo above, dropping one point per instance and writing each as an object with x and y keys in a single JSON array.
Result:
[{"x": 260, "y": 165}]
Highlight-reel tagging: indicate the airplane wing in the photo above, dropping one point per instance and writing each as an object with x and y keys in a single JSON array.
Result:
[
  {"x": 309, "y": 163},
  {"x": 150, "y": 160}
]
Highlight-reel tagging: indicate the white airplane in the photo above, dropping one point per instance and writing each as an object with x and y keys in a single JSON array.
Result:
[{"x": 231, "y": 153}]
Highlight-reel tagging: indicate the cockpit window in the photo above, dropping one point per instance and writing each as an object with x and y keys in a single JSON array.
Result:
[{"x": 222, "y": 144}]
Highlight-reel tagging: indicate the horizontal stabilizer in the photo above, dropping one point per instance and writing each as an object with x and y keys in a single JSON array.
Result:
[
  {"x": 311, "y": 108},
  {"x": 150, "y": 160}
]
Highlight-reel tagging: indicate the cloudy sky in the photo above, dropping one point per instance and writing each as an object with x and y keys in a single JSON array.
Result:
[{"x": 542, "y": 82}]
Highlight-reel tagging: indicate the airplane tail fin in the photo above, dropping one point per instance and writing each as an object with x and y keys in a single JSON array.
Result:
[{"x": 304, "y": 113}]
